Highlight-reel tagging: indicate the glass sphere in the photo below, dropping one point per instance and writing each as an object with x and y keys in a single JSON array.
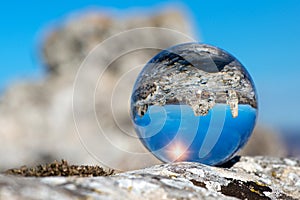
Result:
[{"x": 194, "y": 102}]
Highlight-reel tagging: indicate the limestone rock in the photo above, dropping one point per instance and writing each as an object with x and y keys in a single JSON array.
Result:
[{"x": 248, "y": 178}]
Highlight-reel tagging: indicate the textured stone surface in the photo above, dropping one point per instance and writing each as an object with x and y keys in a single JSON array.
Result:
[{"x": 249, "y": 178}]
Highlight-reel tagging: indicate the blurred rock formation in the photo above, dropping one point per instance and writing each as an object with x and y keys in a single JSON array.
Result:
[
  {"x": 36, "y": 118},
  {"x": 265, "y": 141}
]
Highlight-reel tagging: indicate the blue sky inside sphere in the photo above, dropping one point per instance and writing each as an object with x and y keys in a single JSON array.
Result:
[{"x": 263, "y": 35}]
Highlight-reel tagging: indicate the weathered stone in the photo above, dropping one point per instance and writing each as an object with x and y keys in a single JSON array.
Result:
[{"x": 248, "y": 178}]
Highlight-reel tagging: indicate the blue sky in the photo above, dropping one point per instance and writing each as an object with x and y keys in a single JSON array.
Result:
[{"x": 263, "y": 35}]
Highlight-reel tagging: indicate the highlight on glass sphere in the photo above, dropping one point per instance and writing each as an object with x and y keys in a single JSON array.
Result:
[{"x": 194, "y": 102}]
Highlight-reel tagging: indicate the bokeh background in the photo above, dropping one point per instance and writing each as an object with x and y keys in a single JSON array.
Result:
[{"x": 38, "y": 40}]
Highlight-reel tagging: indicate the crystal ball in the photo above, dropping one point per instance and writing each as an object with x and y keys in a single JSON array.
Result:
[{"x": 194, "y": 102}]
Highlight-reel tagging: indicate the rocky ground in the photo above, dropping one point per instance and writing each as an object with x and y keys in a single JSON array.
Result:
[{"x": 242, "y": 178}]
